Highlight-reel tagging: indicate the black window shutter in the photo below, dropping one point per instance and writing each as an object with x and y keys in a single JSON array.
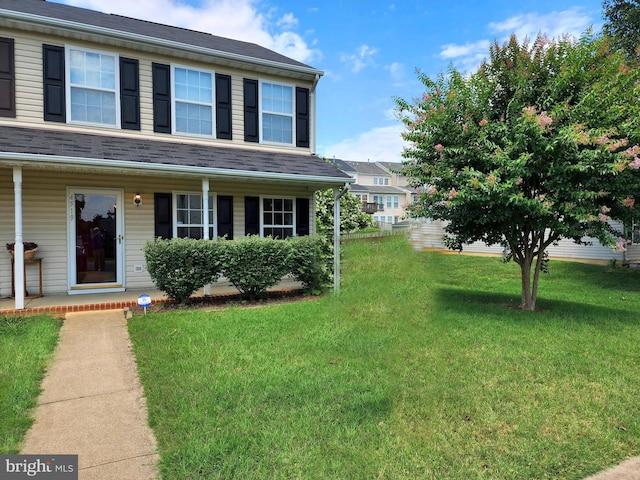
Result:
[
  {"x": 161, "y": 98},
  {"x": 303, "y": 226},
  {"x": 53, "y": 83},
  {"x": 225, "y": 216},
  {"x": 251, "y": 113},
  {"x": 163, "y": 215},
  {"x": 7, "y": 78},
  {"x": 129, "y": 94},
  {"x": 302, "y": 117},
  {"x": 251, "y": 215},
  {"x": 223, "y": 106}
]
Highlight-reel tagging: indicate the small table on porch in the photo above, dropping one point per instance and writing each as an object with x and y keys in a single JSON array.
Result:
[{"x": 36, "y": 261}]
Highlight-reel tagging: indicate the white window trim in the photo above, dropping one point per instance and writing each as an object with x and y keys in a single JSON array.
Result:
[
  {"x": 174, "y": 208},
  {"x": 67, "y": 85},
  {"x": 277, "y": 197},
  {"x": 213, "y": 101},
  {"x": 293, "y": 113}
]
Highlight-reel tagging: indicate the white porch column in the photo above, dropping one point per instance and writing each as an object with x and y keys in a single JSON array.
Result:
[
  {"x": 336, "y": 239},
  {"x": 18, "y": 251},
  {"x": 205, "y": 220}
]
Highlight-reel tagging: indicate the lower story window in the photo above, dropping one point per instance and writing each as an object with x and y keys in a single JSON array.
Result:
[
  {"x": 278, "y": 217},
  {"x": 189, "y": 217}
]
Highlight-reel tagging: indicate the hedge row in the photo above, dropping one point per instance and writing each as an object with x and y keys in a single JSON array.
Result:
[{"x": 179, "y": 267}]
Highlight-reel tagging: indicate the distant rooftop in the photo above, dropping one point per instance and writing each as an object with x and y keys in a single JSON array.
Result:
[{"x": 364, "y": 168}]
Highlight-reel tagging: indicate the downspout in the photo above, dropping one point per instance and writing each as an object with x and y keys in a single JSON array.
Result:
[
  {"x": 18, "y": 249},
  {"x": 312, "y": 116},
  {"x": 205, "y": 220},
  {"x": 338, "y": 193}
]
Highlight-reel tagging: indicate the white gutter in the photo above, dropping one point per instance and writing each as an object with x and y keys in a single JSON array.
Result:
[
  {"x": 137, "y": 38},
  {"x": 26, "y": 159}
]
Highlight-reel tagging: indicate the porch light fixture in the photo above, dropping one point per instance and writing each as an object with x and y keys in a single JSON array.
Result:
[{"x": 137, "y": 199}]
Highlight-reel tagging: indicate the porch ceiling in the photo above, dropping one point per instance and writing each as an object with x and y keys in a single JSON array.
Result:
[{"x": 68, "y": 150}]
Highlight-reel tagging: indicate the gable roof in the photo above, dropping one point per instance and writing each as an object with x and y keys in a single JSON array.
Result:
[
  {"x": 51, "y": 148},
  {"x": 48, "y": 14},
  {"x": 363, "y": 168},
  {"x": 393, "y": 167}
]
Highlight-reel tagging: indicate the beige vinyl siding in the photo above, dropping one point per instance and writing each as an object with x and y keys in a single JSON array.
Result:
[
  {"x": 28, "y": 64},
  {"x": 45, "y": 217},
  {"x": 29, "y": 97},
  {"x": 237, "y": 108}
]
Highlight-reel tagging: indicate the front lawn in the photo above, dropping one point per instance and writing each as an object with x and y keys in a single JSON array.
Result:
[
  {"x": 27, "y": 345},
  {"x": 420, "y": 368}
]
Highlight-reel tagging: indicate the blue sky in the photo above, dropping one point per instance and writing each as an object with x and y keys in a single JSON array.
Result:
[{"x": 369, "y": 50}]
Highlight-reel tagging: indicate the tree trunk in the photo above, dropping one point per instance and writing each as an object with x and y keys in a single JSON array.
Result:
[{"x": 528, "y": 300}]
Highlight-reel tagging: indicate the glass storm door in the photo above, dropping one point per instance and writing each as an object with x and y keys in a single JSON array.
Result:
[{"x": 95, "y": 240}]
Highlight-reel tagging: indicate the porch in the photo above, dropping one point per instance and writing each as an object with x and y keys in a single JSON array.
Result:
[{"x": 60, "y": 304}]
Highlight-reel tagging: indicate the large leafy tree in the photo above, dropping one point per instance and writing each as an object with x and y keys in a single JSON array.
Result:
[
  {"x": 539, "y": 144},
  {"x": 352, "y": 217},
  {"x": 622, "y": 23}
]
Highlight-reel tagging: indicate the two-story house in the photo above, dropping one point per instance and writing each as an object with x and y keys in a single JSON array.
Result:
[
  {"x": 384, "y": 193},
  {"x": 115, "y": 131}
]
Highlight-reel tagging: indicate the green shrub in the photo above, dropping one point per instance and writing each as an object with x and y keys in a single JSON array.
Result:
[
  {"x": 181, "y": 266},
  {"x": 253, "y": 264},
  {"x": 311, "y": 258}
]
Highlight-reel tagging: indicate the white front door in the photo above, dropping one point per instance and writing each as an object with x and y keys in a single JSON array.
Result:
[{"x": 96, "y": 240}]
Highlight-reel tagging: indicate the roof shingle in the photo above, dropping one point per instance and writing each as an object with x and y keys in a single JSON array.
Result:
[
  {"x": 150, "y": 29},
  {"x": 139, "y": 151}
]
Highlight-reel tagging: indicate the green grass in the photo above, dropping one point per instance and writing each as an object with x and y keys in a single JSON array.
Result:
[
  {"x": 420, "y": 368},
  {"x": 27, "y": 346}
]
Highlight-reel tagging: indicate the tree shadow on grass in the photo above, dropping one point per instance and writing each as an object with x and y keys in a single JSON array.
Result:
[
  {"x": 472, "y": 303},
  {"x": 598, "y": 276}
]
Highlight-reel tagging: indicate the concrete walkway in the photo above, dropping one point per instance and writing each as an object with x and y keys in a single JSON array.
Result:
[
  {"x": 93, "y": 404},
  {"x": 629, "y": 470}
]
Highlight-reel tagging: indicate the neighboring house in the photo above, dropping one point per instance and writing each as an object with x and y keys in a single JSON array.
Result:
[
  {"x": 428, "y": 234},
  {"x": 383, "y": 192},
  {"x": 115, "y": 131}
]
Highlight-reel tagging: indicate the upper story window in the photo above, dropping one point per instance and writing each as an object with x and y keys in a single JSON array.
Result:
[
  {"x": 393, "y": 201},
  {"x": 92, "y": 87},
  {"x": 380, "y": 181},
  {"x": 193, "y": 101},
  {"x": 277, "y": 113}
]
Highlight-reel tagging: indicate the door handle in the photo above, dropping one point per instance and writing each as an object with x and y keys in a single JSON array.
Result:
[{"x": 120, "y": 238}]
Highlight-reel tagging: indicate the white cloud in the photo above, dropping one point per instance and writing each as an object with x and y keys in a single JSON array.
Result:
[
  {"x": 237, "y": 19},
  {"x": 467, "y": 57},
  {"x": 382, "y": 144},
  {"x": 555, "y": 24},
  {"x": 396, "y": 70},
  {"x": 451, "y": 50},
  {"x": 288, "y": 21},
  {"x": 363, "y": 57}
]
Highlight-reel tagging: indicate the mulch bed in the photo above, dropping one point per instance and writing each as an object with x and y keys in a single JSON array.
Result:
[{"x": 218, "y": 302}]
